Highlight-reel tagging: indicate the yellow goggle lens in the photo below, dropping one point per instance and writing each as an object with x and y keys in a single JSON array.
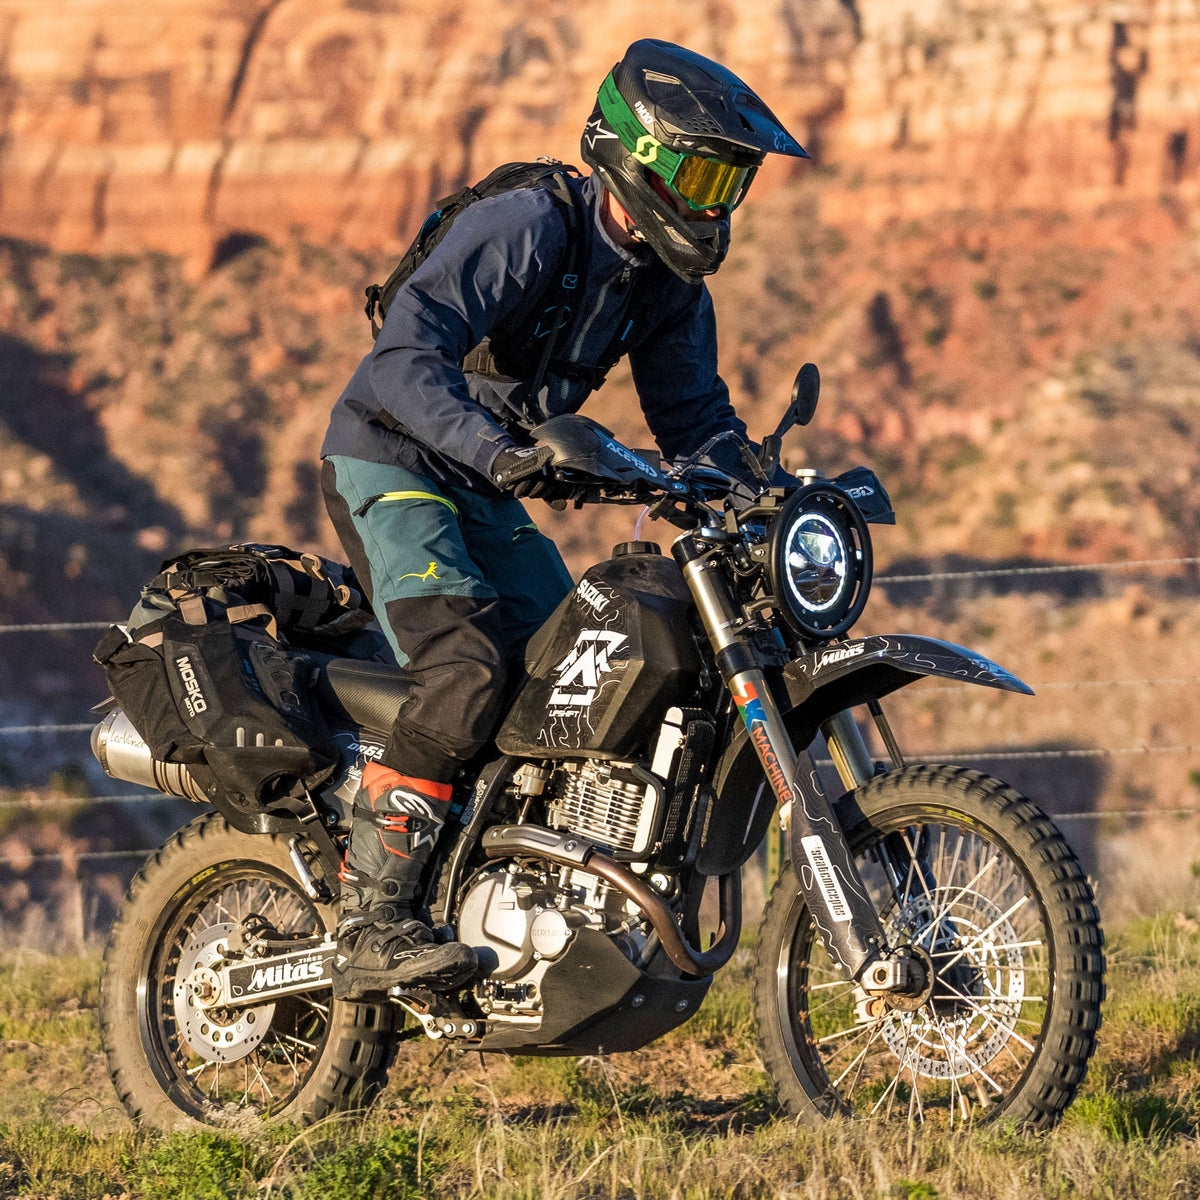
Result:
[{"x": 708, "y": 182}]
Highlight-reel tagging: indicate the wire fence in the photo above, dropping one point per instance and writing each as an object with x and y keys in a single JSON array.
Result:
[
  {"x": 30, "y": 859},
  {"x": 1026, "y": 572},
  {"x": 1014, "y": 754}
]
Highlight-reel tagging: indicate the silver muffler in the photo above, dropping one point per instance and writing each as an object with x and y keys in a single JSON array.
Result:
[{"x": 123, "y": 754}]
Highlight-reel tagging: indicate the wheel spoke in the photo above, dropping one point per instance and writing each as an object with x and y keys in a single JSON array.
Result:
[
  {"x": 992, "y": 946},
  {"x": 963, "y": 899},
  {"x": 975, "y": 941},
  {"x": 889, "y": 1093},
  {"x": 989, "y": 1016},
  {"x": 252, "y": 1059},
  {"x": 937, "y": 916},
  {"x": 915, "y": 1096},
  {"x": 858, "y": 1058},
  {"x": 912, "y": 860},
  {"x": 852, "y": 1030},
  {"x": 298, "y": 1041}
]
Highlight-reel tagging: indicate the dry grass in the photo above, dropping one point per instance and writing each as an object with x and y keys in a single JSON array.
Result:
[{"x": 692, "y": 1117}]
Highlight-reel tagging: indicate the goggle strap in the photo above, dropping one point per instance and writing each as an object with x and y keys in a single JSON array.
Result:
[{"x": 652, "y": 154}]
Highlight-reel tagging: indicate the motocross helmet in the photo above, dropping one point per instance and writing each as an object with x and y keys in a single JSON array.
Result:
[{"x": 669, "y": 123}]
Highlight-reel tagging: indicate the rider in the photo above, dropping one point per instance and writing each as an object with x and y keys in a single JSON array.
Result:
[{"x": 428, "y": 446}]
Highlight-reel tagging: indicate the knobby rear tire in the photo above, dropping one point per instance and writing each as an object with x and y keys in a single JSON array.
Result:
[
  {"x": 806, "y": 1024},
  {"x": 148, "y": 1068}
]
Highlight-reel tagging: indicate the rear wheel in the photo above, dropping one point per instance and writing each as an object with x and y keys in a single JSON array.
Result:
[
  {"x": 173, "y": 1065},
  {"x": 981, "y": 884}
]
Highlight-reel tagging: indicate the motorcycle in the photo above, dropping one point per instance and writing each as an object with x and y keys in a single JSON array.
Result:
[{"x": 930, "y": 950}]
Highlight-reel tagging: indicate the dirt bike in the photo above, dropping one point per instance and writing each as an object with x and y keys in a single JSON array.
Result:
[{"x": 930, "y": 949}]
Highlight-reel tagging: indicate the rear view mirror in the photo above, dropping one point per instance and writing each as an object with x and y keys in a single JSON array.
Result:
[
  {"x": 800, "y": 411},
  {"x": 805, "y": 391}
]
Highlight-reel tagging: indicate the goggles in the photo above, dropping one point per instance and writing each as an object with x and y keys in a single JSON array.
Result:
[{"x": 701, "y": 182}]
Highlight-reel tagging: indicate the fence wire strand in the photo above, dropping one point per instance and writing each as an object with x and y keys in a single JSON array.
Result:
[
  {"x": 55, "y": 627},
  {"x": 950, "y": 755},
  {"x": 1017, "y": 572},
  {"x": 22, "y": 860}
]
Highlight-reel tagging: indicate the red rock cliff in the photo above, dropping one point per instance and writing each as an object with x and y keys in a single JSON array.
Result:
[{"x": 126, "y": 125}]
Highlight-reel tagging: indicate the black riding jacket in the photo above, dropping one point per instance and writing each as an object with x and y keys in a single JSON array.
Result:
[{"x": 410, "y": 402}]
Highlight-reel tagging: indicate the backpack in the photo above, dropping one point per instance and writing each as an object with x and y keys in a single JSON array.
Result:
[
  {"x": 204, "y": 673},
  {"x": 539, "y": 337}
]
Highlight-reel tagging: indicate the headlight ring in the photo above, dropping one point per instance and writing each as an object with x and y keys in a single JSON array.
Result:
[{"x": 819, "y": 561}]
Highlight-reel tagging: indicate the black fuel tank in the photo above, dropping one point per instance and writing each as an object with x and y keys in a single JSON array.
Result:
[{"x": 616, "y": 654}]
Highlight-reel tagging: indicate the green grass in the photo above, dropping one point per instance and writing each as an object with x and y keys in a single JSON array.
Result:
[{"x": 690, "y": 1118}]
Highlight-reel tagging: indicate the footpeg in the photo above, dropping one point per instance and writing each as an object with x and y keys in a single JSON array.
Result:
[{"x": 440, "y": 1017}]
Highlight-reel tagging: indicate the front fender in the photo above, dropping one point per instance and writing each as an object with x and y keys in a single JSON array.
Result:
[
  {"x": 849, "y": 673},
  {"x": 811, "y": 690}
]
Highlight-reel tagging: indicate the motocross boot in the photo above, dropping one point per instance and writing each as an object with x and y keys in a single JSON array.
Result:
[{"x": 381, "y": 945}]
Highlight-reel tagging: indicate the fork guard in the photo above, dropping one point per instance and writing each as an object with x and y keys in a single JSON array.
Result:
[{"x": 810, "y": 690}]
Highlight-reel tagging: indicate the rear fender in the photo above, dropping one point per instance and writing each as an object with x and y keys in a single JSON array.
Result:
[{"x": 810, "y": 690}]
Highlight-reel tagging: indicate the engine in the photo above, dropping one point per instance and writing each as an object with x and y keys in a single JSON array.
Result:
[
  {"x": 521, "y": 918},
  {"x": 616, "y": 805}
]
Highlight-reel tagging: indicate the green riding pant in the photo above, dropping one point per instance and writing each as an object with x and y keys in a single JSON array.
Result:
[{"x": 460, "y": 582}]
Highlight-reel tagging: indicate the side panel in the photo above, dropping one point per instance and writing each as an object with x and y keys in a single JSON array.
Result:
[{"x": 620, "y": 654}]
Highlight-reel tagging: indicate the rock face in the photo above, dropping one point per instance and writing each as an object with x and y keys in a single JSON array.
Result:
[
  {"x": 171, "y": 125},
  {"x": 993, "y": 107},
  {"x": 993, "y": 260}
]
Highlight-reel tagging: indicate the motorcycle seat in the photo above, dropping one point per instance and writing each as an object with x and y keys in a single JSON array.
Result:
[{"x": 367, "y": 693}]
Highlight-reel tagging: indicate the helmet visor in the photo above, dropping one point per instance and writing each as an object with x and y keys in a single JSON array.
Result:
[{"x": 708, "y": 182}]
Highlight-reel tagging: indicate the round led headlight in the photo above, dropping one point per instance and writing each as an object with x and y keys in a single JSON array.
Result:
[{"x": 819, "y": 561}]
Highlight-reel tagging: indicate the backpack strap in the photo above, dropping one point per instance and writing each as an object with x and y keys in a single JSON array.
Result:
[
  {"x": 379, "y": 296},
  {"x": 240, "y": 613},
  {"x": 645, "y": 296},
  {"x": 568, "y": 278},
  {"x": 569, "y": 206},
  {"x": 505, "y": 178}
]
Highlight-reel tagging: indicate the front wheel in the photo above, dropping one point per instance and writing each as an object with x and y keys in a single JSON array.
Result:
[
  {"x": 982, "y": 886},
  {"x": 175, "y": 1066}
]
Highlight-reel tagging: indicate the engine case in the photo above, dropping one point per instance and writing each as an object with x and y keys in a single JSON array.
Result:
[
  {"x": 612, "y": 659},
  {"x": 519, "y": 922}
]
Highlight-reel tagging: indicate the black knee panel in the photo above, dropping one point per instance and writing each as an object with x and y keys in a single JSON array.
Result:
[{"x": 454, "y": 650}]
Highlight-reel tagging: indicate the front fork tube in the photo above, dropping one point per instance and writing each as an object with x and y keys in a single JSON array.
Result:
[
  {"x": 905, "y": 864},
  {"x": 829, "y": 879},
  {"x": 848, "y": 749}
]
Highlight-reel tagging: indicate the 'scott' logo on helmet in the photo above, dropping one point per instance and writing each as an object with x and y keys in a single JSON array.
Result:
[
  {"x": 646, "y": 150},
  {"x": 580, "y": 672}
]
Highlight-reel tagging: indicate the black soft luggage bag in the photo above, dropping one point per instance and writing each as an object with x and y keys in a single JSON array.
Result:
[{"x": 208, "y": 681}]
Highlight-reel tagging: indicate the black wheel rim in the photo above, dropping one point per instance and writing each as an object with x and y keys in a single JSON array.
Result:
[
  {"x": 963, "y": 1054},
  {"x": 266, "y": 1078}
]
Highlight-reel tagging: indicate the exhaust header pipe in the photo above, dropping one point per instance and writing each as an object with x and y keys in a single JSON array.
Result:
[{"x": 534, "y": 841}]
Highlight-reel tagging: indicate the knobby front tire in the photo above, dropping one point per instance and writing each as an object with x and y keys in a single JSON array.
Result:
[
  {"x": 300, "y": 1058},
  {"x": 984, "y": 884}
]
